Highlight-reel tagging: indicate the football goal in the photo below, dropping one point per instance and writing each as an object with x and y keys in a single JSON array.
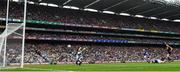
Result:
[{"x": 12, "y": 39}]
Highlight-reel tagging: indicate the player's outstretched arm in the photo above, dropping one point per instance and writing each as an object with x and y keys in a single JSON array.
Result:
[
  {"x": 79, "y": 48},
  {"x": 171, "y": 47},
  {"x": 84, "y": 49},
  {"x": 168, "y": 46}
]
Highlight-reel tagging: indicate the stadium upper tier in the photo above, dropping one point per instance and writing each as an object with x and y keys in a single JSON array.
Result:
[
  {"x": 84, "y": 38},
  {"x": 92, "y": 38},
  {"x": 53, "y": 14}
]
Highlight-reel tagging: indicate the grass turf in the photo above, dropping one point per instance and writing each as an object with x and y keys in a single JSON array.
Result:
[{"x": 169, "y": 67}]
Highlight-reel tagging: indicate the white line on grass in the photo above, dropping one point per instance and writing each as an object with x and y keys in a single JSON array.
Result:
[{"x": 47, "y": 70}]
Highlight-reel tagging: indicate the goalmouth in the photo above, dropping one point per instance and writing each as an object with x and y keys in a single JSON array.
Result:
[{"x": 12, "y": 40}]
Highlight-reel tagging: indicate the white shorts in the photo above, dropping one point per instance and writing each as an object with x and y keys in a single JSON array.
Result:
[
  {"x": 79, "y": 58},
  {"x": 157, "y": 61},
  {"x": 145, "y": 56}
]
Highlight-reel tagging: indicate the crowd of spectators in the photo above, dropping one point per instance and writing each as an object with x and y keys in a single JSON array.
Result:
[
  {"x": 45, "y": 53},
  {"x": 53, "y": 14},
  {"x": 65, "y": 53}
]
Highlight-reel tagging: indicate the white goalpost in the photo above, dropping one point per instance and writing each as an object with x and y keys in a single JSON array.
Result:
[{"x": 12, "y": 40}]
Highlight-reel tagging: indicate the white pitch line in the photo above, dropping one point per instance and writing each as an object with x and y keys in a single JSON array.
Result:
[
  {"x": 47, "y": 70},
  {"x": 35, "y": 69}
]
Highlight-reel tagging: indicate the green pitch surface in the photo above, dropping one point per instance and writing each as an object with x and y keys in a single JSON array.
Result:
[{"x": 127, "y": 67}]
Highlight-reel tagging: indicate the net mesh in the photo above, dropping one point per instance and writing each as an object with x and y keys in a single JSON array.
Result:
[{"x": 13, "y": 35}]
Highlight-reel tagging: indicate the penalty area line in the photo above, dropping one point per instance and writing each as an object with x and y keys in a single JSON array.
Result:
[{"x": 47, "y": 70}]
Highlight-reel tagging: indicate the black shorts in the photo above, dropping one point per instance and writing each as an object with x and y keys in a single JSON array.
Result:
[{"x": 169, "y": 52}]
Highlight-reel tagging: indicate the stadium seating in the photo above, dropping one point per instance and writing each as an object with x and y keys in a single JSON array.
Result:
[
  {"x": 50, "y": 36},
  {"x": 44, "y": 53},
  {"x": 45, "y": 13}
]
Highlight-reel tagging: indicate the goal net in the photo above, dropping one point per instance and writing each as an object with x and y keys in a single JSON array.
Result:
[{"x": 12, "y": 40}]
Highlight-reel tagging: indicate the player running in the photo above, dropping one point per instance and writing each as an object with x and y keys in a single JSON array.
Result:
[
  {"x": 146, "y": 55},
  {"x": 169, "y": 51},
  {"x": 79, "y": 56}
]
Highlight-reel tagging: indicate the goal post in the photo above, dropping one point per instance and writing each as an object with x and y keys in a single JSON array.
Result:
[{"x": 12, "y": 40}]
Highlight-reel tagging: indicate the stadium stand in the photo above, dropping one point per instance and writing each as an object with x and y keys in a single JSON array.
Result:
[
  {"x": 44, "y": 13},
  {"x": 45, "y": 53},
  {"x": 48, "y": 52}
]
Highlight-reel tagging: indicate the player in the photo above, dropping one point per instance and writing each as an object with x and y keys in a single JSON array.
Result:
[
  {"x": 79, "y": 56},
  {"x": 169, "y": 51},
  {"x": 146, "y": 55},
  {"x": 157, "y": 61}
]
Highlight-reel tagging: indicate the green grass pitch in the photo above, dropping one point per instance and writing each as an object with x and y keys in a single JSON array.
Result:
[{"x": 118, "y": 67}]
